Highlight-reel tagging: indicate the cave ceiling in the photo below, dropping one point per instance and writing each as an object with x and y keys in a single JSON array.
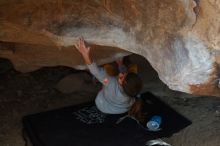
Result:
[{"x": 179, "y": 38}]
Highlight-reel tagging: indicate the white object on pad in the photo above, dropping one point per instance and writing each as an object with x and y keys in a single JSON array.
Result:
[{"x": 156, "y": 142}]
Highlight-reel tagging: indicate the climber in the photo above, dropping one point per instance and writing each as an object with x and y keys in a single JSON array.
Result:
[{"x": 118, "y": 93}]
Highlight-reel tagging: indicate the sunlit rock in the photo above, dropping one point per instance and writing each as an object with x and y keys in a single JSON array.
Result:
[{"x": 180, "y": 38}]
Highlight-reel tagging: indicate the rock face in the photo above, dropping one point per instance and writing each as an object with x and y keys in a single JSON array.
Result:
[{"x": 180, "y": 38}]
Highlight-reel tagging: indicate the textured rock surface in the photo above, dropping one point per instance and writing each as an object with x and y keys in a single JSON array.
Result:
[
  {"x": 68, "y": 84},
  {"x": 180, "y": 38}
]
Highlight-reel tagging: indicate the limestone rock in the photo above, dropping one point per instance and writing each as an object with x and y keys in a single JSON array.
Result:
[{"x": 180, "y": 38}]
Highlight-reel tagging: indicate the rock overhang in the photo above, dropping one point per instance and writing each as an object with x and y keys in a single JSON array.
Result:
[{"x": 173, "y": 35}]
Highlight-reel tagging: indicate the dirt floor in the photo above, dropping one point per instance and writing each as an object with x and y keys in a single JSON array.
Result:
[{"x": 27, "y": 93}]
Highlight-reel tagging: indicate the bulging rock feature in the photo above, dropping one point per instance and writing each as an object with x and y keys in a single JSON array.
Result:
[{"x": 180, "y": 38}]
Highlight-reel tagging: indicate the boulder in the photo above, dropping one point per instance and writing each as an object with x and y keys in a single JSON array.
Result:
[
  {"x": 179, "y": 38},
  {"x": 77, "y": 82}
]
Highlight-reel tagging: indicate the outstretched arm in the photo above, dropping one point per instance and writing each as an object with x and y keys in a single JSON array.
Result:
[
  {"x": 84, "y": 51},
  {"x": 98, "y": 72}
]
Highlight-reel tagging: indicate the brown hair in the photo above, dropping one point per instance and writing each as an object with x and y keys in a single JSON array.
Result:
[
  {"x": 132, "y": 84},
  {"x": 137, "y": 110}
]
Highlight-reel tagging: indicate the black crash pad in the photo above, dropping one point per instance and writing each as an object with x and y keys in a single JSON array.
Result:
[{"x": 84, "y": 125}]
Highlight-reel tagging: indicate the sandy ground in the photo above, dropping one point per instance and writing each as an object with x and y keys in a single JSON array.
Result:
[{"x": 27, "y": 93}]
